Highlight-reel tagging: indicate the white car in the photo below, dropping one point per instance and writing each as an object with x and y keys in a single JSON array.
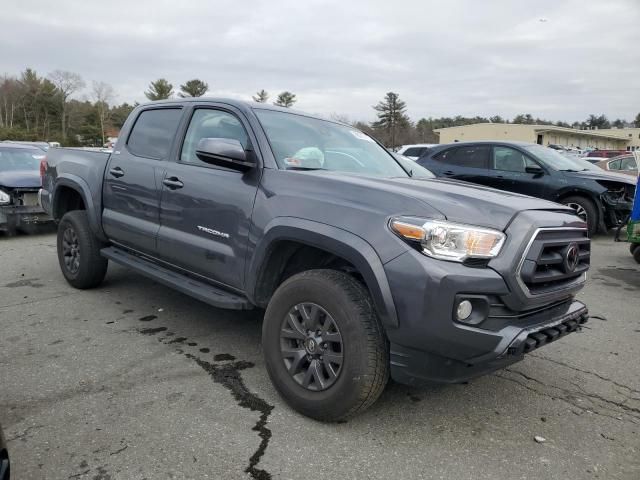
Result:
[{"x": 414, "y": 152}]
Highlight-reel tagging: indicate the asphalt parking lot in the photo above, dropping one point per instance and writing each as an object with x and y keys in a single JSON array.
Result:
[{"x": 133, "y": 381}]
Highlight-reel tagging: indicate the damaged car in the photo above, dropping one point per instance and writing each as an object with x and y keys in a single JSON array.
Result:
[
  {"x": 19, "y": 186},
  {"x": 602, "y": 199}
]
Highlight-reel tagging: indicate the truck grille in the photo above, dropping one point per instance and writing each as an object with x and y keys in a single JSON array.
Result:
[{"x": 556, "y": 259}]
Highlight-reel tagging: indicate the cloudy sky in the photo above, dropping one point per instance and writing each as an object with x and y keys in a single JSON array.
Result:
[{"x": 556, "y": 59}]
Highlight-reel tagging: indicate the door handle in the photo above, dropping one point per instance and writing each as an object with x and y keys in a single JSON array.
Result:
[
  {"x": 116, "y": 172},
  {"x": 449, "y": 173},
  {"x": 173, "y": 183}
]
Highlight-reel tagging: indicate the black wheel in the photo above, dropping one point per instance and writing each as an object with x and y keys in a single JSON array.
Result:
[
  {"x": 633, "y": 247},
  {"x": 586, "y": 210},
  {"x": 636, "y": 254},
  {"x": 79, "y": 251},
  {"x": 324, "y": 346}
]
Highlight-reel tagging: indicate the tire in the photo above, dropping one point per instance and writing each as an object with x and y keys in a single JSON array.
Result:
[
  {"x": 636, "y": 254},
  {"x": 83, "y": 267},
  {"x": 586, "y": 209},
  {"x": 346, "y": 306},
  {"x": 633, "y": 247}
]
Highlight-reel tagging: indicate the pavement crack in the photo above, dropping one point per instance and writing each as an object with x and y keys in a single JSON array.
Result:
[
  {"x": 23, "y": 435},
  {"x": 78, "y": 475},
  {"x": 581, "y": 408},
  {"x": 589, "y": 372},
  {"x": 568, "y": 394},
  {"x": 228, "y": 375},
  {"x": 120, "y": 450}
]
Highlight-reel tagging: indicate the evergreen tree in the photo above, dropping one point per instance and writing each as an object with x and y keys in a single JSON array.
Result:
[
  {"x": 161, "y": 89},
  {"x": 285, "y": 99},
  {"x": 392, "y": 118},
  {"x": 261, "y": 96},
  {"x": 193, "y": 88}
]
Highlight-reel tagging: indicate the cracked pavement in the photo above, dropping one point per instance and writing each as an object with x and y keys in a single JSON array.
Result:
[{"x": 133, "y": 380}]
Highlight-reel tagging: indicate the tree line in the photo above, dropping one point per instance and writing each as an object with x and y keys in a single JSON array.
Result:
[
  {"x": 393, "y": 126},
  {"x": 35, "y": 107}
]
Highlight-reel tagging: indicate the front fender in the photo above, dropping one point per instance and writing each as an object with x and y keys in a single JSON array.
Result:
[
  {"x": 76, "y": 183},
  {"x": 334, "y": 240}
]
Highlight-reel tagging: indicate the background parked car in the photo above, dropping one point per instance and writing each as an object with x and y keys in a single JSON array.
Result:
[
  {"x": 417, "y": 171},
  {"x": 415, "y": 151},
  {"x": 19, "y": 186},
  {"x": 622, "y": 164},
  {"x": 594, "y": 160},
  {"x": 606, "y": 153},
  {"x": 602, "y": 199},
  {"x": 44, "y": 146}
]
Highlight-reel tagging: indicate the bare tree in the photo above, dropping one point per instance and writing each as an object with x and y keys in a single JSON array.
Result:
[
  {"x": 67, "y": 84},
  {"x": 103, "y": 95}
]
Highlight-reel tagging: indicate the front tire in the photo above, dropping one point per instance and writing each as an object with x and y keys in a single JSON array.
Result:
[
  {"x": 324, "y": 346},
  {"x": 636, "y": 253},
  {"x": 586, "y": 210},
  {"x": 79, "y": 251}
]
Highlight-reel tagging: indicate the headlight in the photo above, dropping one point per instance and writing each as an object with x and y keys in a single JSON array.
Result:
[
  {"x": 449, "y": 241},
  {"x": 4, "y": 198}
]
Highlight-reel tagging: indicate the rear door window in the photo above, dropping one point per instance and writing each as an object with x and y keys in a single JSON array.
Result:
[
  {"x": 615, "y": 165},
  {"x": 473, "y": 156},
  {"x": 628, "y": 163},
  {"x": 153, "y": 133}
]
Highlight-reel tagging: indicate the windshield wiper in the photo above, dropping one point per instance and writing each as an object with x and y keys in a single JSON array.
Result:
[
  {"x": 305, "y": 168},
  {"x": 569, "y": 170}
]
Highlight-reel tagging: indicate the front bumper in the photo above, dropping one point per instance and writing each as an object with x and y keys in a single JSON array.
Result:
[
  {"x": 430, "y": 346},
  {"x": 16, "y": 216},
  {"x": 418, "y": 367}
]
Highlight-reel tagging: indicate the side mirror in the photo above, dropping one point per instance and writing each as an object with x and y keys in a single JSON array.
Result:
[
  {"x": 225, "y": 152},
  {"x": 535, "y": 169}
]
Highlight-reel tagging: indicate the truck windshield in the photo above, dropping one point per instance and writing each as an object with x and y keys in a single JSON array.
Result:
[
  {"x": 555, "y": 160},
  {"x": 305, "y": 143}
]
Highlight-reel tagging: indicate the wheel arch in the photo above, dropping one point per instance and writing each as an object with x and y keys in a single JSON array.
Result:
[
  {"x": 285, "y": 236},
  {"x": 73, "y": 193}
]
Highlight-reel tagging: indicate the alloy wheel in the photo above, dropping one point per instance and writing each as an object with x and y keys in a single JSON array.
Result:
[
  {"x": 71, "y": 250},
  {"x": 311, "y": 346},
  {"x": 580, "y": 211}
]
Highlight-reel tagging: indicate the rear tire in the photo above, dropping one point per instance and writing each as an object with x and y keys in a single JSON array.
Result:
[
  {"x": 636, "y": 253},
  {"x": 347, "y": 330},
  {"x": 79, "y": 251},
  {"x": 633, "y": 247},
  {"x": 586, "y": 210}
]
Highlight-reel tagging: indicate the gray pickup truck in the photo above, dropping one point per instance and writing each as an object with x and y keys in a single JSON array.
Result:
[{"x": 366, "y": 270}]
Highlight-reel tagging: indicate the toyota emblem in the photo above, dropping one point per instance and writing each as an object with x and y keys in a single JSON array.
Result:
[{"x": 571, "y": 258}]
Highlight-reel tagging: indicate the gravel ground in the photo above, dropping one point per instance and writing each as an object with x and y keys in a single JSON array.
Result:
[{"x": 133, "y": 381}]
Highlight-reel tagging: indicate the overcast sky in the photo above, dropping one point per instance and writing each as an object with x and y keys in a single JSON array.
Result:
[{"x": 555, "y": 59}]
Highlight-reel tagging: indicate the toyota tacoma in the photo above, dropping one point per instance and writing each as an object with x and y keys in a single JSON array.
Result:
[{"x": 365, "y": 270}]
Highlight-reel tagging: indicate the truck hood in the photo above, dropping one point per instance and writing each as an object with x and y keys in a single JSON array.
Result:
[
  {"x": 457, "y": 201},
  {"x": 20, "y": 179}
]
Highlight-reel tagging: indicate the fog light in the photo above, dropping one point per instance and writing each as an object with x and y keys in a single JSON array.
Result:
[{"x": 464, "y": 310}]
